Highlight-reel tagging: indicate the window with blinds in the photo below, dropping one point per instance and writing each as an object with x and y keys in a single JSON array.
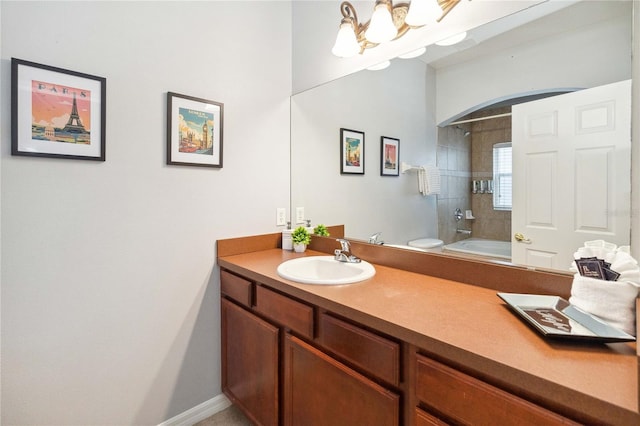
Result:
[{"x": 502, "y": 180}]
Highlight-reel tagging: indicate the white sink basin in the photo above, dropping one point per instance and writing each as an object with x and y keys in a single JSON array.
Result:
[{"x": 325, "y": 270}]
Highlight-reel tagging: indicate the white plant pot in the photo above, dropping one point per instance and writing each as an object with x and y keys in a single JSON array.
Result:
[{"x": 299, "y": 248}]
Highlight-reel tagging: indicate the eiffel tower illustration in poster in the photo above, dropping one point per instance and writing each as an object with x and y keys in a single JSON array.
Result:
[{"x": 74, "y": 125}]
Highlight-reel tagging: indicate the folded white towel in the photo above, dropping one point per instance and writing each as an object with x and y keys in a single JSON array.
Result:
[
  {"x": 612, "y": 301},
  {"x": 433, "y": 180}
]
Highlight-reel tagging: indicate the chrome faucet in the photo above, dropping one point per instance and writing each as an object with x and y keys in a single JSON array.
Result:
[
  {"x": 375, "y": 239},
  {"x": 457, "y": 214},
  {"x": 343, "y": 254}
]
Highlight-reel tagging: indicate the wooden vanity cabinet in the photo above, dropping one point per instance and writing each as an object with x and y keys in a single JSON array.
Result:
[
  {"x": 287, "y": 362},
  {"x": 279, "y": 373}
]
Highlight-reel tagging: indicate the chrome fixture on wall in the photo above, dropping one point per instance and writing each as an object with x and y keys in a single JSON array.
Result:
[
  {"x": 482, "y": 186},
  {"x": 457, "y": 214},
  {"x": 387, "y": 23}
]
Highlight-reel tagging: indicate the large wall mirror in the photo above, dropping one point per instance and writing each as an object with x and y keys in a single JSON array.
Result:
[{"x": 437, "y": 106}]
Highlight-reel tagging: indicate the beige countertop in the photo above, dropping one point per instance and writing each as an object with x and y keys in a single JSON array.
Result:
[{"x": 472, "y": 328}]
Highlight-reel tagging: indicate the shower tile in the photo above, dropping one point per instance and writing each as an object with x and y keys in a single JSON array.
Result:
[
  {"x": 442, "y": 157},
  {"x": 452, "y": 159}
]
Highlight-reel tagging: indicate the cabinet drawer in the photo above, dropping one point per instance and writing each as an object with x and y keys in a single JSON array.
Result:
[
  {"x": 235, "y": 287},
  {"x": 468, "y": 400},
  {"x": 373, "y": 353},
  {"x": 285, "y": 311}
]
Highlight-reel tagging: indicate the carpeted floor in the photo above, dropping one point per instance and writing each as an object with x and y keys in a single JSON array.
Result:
[{"x": 228, "y": 417}]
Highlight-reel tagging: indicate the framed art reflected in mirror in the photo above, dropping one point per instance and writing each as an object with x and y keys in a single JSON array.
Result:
[
  {"x": 351, "y": 152},
  {"x": 389, "y": 156}
]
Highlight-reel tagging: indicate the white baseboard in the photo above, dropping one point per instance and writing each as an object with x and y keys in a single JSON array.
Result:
[{"x": 199, "y": 412}]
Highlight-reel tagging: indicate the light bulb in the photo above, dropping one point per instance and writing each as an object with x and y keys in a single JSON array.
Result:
[
  {"x": 381, "y": 28},
  {"x": 422, "y": 12},
  {"x": 346, "y": 42}
]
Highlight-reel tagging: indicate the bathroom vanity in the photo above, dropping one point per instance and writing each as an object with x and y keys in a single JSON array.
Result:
[{"x": 426, "y": 341}]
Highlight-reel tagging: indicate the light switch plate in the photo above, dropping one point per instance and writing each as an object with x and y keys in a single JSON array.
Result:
[
  {"x": 299, "y": 214},
  {"x": 281, "y": 216}
]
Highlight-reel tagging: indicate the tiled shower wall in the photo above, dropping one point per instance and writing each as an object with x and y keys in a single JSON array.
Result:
[
  {"x": 460, "y": 160},
  {"x": 454, "y": 162},
  {"x": 489, "y": 223}
]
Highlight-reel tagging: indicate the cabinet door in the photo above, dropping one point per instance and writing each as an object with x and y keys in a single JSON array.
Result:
[
  {"x": 250, "y": 363},
  {"x": 319, "y": 390}
]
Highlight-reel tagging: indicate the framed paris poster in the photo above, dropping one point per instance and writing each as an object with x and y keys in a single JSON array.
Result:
[
  {"x": 57, "y": 113},
  {"x": 194, "y": 131}
]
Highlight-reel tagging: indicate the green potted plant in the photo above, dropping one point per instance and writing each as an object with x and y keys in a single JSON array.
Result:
[
  {"x": 321, "y": 230},
  {"x": 301, "y": 239}
]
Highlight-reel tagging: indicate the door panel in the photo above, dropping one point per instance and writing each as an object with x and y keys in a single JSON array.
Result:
[{"x": 571, "y": 173}]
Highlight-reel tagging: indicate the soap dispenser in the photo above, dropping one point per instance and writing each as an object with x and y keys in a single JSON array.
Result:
[
  {"x": 309, "y": 227},
  {"x": 287, "y": 242}
]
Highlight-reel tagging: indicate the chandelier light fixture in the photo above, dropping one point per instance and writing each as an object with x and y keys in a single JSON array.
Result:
[{"x": 388, "y": 22}]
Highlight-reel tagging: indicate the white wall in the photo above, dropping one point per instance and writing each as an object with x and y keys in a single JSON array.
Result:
[
  {"x": 581, "y": 58},
  {"x": 110, "y": 311},
  {"x": 396, "y": 102}
]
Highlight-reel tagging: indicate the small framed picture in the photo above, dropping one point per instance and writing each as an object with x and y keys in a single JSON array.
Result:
[
  {"x": 57, "y": 113},
  {"x": 351, "y": 152},
  {"x": 390, "y": 156},
  {"x": 194, "y": 131}
]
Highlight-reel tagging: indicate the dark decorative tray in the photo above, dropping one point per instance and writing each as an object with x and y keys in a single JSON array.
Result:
[{"x": 555, "y": 317}]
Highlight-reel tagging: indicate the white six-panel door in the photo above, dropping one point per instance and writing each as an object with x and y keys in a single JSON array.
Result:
[{"x": 571, "y": 174}]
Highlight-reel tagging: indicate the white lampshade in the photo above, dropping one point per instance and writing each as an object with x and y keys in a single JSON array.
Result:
[
  {"x": 346, "y": 42},
  {"x": 381, "y": 28},
  {"x": 422, "y": 12}
]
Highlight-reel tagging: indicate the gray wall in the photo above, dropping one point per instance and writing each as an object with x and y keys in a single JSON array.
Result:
[{"x": 110, "y": 311}]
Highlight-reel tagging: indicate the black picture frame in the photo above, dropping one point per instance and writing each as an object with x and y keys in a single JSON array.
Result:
[
  {"x": 57, "y": 113},
  {"x": 351, "y": 152},
  {"x": 194, "y": 131},
  {"x": 389, "y": 156}
]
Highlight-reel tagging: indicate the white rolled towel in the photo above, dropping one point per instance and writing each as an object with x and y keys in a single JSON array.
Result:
[
  {"x": 612, "y": 301},
  {"x": 422, "y": 181},
  {"x": 631, "y": 276}
]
